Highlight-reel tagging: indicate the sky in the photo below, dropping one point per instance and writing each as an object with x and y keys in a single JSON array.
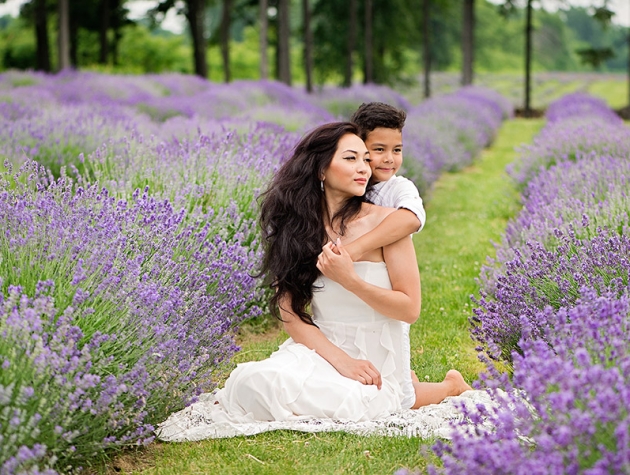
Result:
[{"x": 175, "y": 23}]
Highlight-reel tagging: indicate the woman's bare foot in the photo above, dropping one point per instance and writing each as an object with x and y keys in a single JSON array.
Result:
[
  {"x": 414, "y": 377},
  {"x": 456, "y": 383}
]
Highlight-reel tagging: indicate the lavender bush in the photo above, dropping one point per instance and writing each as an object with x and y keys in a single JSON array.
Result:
[
  {"x": 221, "y": 173},
  {"x": 130, "y": 240},
  {"x": 342, "y": 102},
  {"x": 568, "y": 140},
  {"x": 548, "y": 278},
  {"x": 579, "y": 104},
  {"x": 593, "y": 189},
  {"x": 566, "y": 408},
  {"x": 447, "y": 132},
  {"x": 130, "y": 311},
  {"x": 555, "y": 306}
]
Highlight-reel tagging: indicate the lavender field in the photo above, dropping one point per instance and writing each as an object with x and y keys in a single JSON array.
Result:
[
  {"x": 547, "y": 86},
  {"x": 555, "y": 311},
  {"x": 130, "y": 241}
]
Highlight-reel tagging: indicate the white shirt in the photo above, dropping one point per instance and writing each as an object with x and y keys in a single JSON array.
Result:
[{"x": 399, "y": 192}]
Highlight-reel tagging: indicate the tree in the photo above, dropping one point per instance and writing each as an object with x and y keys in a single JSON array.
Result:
[
  {"x": 63, "y": 35},
  {"x": 225, "y": 38},
  {"x": 284, "y": 34},
  {"x": 426, "y": 46},
  {"x": 388, "y": 30},
  {"x": 194, "y": 11},
  {"x": 42, "y": 46},
  {"x": 368, "y": 54},
  {"x": 106, "y": 14},
  {"x": 308, "y": 46},
  {"x": 468, "y": 41},
  {"x": 601, "y": 13},
  {"x": 264, "y": 27},
  {"x": 351, "y": 42}
]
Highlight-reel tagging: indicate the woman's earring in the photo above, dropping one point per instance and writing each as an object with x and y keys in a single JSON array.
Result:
[{"x": 322, "y": 184}]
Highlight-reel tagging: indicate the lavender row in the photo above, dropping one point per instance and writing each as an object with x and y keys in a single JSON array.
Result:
[
  {"x": 570, "y": 233},
  {"x": 578, "y": 124},
  {"x": 447, "y": 132},
  {"x": 555, "y": 309},
  {"x": 130, "y": 240},
  {"x": 114, "y": 314},
  {"x": 53, "y": 119}
]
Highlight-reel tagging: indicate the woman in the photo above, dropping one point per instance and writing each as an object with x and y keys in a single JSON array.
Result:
[{"x": 351, "y": 359}]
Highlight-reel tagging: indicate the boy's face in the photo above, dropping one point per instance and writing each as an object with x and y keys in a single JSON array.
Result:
[{"x": 385, "y": 146}]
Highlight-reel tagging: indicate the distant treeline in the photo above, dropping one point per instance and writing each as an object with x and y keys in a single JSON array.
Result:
[{"x": 143, "y": 47}]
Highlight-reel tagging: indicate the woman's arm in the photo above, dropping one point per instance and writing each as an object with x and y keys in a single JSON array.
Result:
[
  {"x": 400, "y": 303},
  {"x": 312, "y": 337}
]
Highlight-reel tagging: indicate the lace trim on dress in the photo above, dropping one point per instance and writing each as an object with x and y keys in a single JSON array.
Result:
[{"x": 198, "y": 421}]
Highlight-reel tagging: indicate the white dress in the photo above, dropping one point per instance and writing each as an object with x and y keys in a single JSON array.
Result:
[{"x": 295, "y": 388}]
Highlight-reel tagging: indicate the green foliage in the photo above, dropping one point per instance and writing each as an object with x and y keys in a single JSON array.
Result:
[
  {"x": 142, "y": 52},
  {"x": 17, "y": 46},
  {"x": 499, "y": 41},
  {"x": 395, "y": 28},
  {"x": 591, "y": 34}
]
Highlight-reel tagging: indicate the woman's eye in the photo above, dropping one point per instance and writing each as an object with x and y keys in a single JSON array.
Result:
[{"x": 349, "y": 158}]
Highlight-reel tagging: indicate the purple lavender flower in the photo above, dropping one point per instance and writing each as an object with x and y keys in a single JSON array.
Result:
[
  {"x": 566, "y": 408},
  {"x": 159, "y": 302}
]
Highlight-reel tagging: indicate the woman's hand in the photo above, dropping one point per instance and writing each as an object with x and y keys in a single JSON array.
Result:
[
  {"x": 360, "y": 370},
  {"x": 336, "y": 264}
]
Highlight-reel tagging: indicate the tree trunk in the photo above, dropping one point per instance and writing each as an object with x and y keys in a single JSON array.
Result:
[
  {"x": 115, "y": 5},
  {"x": 42, "y": 60},
  {"x": 351, "y": 42},
  {"x": 225, "y": 39},
  {"x": 308, "y": 46},
  {"x": 368, "y": 65},
  {"x": 63, "y": 35},
  {"x": 468, "y": 42},
  {"x": 528, "y": 58},
  {"x": 196, "y": 21},
  {"x": 103, "y": 29},
  {"x": 629, "y": 68},
  {"x": 74, "y": 41},
  {"x": 264, "y": 27},
  {"x": 426, "y": 46},
  {"x": 284, "y": 32}
]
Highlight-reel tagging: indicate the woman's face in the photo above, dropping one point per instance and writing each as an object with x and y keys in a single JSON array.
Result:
[{"x": 349, "y": 170}]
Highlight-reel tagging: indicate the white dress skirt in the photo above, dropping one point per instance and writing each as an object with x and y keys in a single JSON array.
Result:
[
  {"x": 295, "y": 381},
  {"x": 295, "y": 384}
]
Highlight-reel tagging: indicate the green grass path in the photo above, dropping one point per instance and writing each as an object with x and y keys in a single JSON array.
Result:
[{"x": 466, "y": 212}]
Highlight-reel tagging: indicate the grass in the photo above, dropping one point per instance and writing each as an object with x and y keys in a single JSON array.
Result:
[{"x": 466, "y": 212}]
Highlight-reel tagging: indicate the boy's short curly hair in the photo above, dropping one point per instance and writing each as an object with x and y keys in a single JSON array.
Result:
[{"x": 372, "y": 115}]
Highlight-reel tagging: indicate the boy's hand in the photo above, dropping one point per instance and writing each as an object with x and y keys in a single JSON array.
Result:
[{"x": 336, "y": 264}]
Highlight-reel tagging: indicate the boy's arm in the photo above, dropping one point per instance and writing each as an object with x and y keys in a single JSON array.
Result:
[{"x": 393, "y": 228}]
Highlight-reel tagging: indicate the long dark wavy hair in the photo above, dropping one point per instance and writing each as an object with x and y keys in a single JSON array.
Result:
[{"x": 292, "y": 217}]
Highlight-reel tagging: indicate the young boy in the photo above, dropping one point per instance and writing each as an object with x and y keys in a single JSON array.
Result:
[{"x": 381, "y": 128}]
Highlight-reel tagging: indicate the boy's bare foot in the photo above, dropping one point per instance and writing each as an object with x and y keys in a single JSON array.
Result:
[{"x": 456, "y": 383}]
